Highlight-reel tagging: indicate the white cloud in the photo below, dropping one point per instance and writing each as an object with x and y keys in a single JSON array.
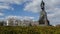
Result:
[
  {"x": 33, "y": 6},
  {"x": 1, "y": 14},
  {"x": 52, "y": 8},
  {"x": 14, "y": 1},
  {"x": 5, "y": 4},
  {"x": 5, "y": 7},
  {"x": 1, "y": 19}
]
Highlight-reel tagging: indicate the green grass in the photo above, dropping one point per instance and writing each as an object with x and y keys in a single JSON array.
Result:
[{"x": 29, "y": 30}]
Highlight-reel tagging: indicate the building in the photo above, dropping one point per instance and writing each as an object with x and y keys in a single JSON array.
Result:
[
  {"x": 17, "y": 22},
  {"x": 43, "y": 20},
  {"x": 11, "y": 22}
]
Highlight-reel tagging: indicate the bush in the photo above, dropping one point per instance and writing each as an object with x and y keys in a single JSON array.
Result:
[{"x": 29, "y": 30}]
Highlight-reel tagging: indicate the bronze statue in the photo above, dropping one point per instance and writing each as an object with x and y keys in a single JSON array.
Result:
[{"x": 43, "y": 15}]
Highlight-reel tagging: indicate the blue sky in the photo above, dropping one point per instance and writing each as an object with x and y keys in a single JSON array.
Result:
[{"x": 30, "y": 9}]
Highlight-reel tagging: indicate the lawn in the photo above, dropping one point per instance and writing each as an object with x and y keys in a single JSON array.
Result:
[{"x": 29, "y": 30}]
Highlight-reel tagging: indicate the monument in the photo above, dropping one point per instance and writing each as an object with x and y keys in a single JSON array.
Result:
[{"x": 43, "y": 15}]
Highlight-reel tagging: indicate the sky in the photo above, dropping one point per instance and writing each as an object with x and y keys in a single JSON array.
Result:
[{"x": 30, "y": 9}]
